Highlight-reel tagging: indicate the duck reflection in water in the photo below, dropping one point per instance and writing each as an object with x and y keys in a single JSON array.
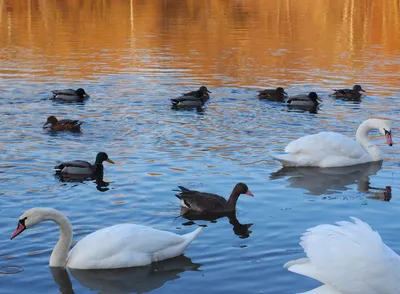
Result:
[
  {"x": 142, "y": 279},
  {"x": 330, "y": 180},
  {"x": 382, "y": 194},
  {"x": 241, "y": 230},
  {"x": 97, "y": 177}
]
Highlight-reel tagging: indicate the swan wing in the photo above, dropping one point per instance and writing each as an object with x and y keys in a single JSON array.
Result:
[
  {"x": 326, "y": 143},
  {"x": 324, "y": 289},
  {"x": 127, "y": 245},
  {"x": 349, "y": 257},
  {"x": 326, "y": 149}
]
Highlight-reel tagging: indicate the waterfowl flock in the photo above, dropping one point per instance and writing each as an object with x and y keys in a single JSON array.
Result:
[{"x": 347, "y": 258}]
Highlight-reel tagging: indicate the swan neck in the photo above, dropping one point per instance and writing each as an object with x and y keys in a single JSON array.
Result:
[
  {"x": 58, "y": 257},
  {"x": 363, "y": 139},
  {"x": 233, "y": 199}
]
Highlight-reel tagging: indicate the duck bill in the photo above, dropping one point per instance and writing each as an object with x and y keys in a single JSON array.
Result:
[
  {"x": 110, "y": 161},
  {"x": 208, "y": 91},
  {"x": 45, "y": 124},
  {"x": 20, "y": 228},
  {"x": 362, "y": 91},
  {"x": 249, "y": 193},
  {"x": 389, "y": 138},
  {"x": 285, "y": 93},
  {"x": 319, "y": 100}
]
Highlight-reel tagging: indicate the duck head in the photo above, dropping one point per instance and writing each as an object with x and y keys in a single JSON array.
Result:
[
  {"x": 81, "y": 93},
  {"x": 357, "y": 88},
  {"x": 280, "y": 90},
  {"x": 314, "y": 97},
  {"x": 51, "y": 120},
  {"x": 101, "y": 157},
  {"x": 204, "y": 90}
]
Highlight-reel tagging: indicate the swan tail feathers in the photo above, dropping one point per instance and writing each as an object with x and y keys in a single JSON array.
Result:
[
  {"x": 285, "y": 159},
  {"x": 324, "y": 289},
  {"x": 303, "y": 267},
  {"x": 192, "y": 235},
  {"x": 288, "y": 264}
]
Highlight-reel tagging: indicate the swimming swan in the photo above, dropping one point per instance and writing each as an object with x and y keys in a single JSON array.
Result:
[
  {"x": 348, "y": 258},
  {"x": 329, "y": 149},
  {"x": 119, "y": 246}
]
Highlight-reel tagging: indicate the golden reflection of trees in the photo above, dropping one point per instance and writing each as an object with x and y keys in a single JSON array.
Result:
[{"x": 258, "y": 34}]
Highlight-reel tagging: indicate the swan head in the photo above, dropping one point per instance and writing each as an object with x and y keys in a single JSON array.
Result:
[
  {"x": 385, "y": 128},
  {"x": 32, "y": 217}
]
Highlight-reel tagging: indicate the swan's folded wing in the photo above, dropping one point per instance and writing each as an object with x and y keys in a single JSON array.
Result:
[
  {"x": 122, "y": 245},
  {"x": 326, "y": 143},
  {"x": 324, "y": 289},
  {"x": 352, "y": 258}
]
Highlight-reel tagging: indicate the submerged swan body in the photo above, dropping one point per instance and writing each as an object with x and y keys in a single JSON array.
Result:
[
  {"x": 329, "y": 149},
  {"x": 119, "y": 246},
  {"x": 349, "y": 258}
]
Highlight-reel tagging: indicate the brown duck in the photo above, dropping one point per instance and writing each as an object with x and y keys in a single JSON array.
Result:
[
  {"x": 211, "y": 203},
  {"x": 63, "y": 124},
  {"x": 349, "y": 94},
  {"x": 277, "y": 94}
]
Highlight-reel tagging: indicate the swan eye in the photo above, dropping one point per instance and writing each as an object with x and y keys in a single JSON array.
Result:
[{"x": 22, "y": 221}]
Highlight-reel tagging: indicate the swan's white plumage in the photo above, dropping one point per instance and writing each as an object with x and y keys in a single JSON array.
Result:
[
  {"x": 329, "y": 149},
  {"x": 349, "y": 258},
  {"x": 127, "y": 245},
  {"x": 119, "y": 246},
  {"x": 325, "y": 149}
]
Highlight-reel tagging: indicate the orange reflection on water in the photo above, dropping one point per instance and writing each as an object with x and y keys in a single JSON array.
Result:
[{"x": 243, "y": 40}]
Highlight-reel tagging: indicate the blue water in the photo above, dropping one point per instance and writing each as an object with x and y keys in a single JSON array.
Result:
[{"x": 155, "y": 149}]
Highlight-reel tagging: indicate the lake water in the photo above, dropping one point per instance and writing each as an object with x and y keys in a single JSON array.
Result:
[{"x": 131, "y": 57}]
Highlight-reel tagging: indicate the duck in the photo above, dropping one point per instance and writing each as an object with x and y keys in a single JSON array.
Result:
[
  {"x": 70, "y": 95},
  {"x": 277, "y": 94},
  {"x": 348, "y": 258},
  {"x": 118, "y": 246},
  {"x": 349, "y": 94},
  {"x": 63, "y": 124},
  {"x": 201, "y": 92},
  {"x": 310, "y": 100},
  {"x": 211, "y": 203},
  {"x": 188, "y": 102},
  {"x": 330, "y": 149},
  {"x": 81, "y": 167}
]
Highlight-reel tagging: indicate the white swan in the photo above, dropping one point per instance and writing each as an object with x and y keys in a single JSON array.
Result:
[
  {"x": 349, "y": 258},
  {"x": 119, "y": 246},
  {"x": 329, "y": 149}
]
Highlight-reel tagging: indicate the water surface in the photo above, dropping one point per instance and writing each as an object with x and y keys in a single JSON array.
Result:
[{"x": 131, "y": 57}]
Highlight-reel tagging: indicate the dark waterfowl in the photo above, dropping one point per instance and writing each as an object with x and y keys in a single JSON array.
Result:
[
  {"x": 81, "y": 167},
  {"x": 211, "y": 203},
  {"x": 349, "y": 94},
  {"x": 70, "y": 95},
  {"x": 277, "y": 94},
  {"x": 63, "y": 124},
  {"x": 310, "y": 100},
  {"x": 241, "y": 230},
  {"x": 202, "y": 92}
]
